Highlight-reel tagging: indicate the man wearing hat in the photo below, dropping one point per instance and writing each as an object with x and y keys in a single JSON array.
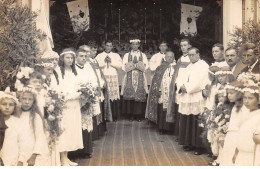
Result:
[{"x": 134, "y": 86}]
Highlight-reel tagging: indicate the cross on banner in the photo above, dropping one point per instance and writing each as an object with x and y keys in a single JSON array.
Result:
[{"x": 79, "y": 15}]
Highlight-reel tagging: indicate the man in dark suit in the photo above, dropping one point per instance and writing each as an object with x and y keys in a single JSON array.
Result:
[
  {"x": 249, "y": 54},
  {"x": 233, "y": 60}
]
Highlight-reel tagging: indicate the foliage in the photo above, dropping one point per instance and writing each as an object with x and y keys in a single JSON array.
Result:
[
  {"x": 18, "y": 40},
  {"x": 54, "y": 106},
  {"x": 249, "y": 33}
]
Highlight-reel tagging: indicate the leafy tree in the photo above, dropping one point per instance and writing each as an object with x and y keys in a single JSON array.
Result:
[
  {"x": 249, "y": 33},
  {"x": 18, "y": 40}
]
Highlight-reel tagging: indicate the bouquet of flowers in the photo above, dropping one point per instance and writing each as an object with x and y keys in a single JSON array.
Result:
[
  {"x": 53, "y": 112},
  {"x": 88, "y": 96},
  {"x": 203, "y": 122},
  {"x": 219, "y": 122}
]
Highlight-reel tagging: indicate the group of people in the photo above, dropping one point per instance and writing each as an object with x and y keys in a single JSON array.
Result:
[
  {"x": 212, "y": 109},
  {"x": 62, "y": 102}
]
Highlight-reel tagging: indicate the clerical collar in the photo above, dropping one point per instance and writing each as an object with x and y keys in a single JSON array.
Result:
[
  {"x": 107, "y": 52},
  {"x": 79, "y": 66},
  {"x": 196, "y": 61},
  {"x": 184, "y": 55},
  {"x": 135, "y": 51}
]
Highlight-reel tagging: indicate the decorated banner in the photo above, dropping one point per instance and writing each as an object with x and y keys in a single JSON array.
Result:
[
  {"x": 79, "y": 15},
  {"x": 189, "y": 15}
]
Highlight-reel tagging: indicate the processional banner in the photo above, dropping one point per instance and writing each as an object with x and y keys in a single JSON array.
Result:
[
  {"x": 79, "y": 15},
  {"x": 189, "y": 16}
]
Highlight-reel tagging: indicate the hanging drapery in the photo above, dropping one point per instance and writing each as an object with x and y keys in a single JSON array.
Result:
[
  {"x": 79, "y": 15},
  {"x": 42, "y": 7},
  {"x": 189, "y": 15}
]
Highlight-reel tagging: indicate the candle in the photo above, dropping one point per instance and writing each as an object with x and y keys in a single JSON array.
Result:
[
  {"x": 119, "y": 26},
  {"x": 145, "y": 25},
  {"x": 160, "y": 24},
  {"x": 111, "y": 10}
]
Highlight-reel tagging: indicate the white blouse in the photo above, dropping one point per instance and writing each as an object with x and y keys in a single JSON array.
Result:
[
  {"x": 32, "y": 141},
  {"x": 12, "y": 145}
]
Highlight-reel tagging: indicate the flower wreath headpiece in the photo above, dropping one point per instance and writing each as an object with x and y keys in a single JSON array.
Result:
[
  {"x": 50, "y": 55},
  {"x": 235, "y": 85},
  {"x": 135, "y": 40},
  {"x": 8, "y": 94}
]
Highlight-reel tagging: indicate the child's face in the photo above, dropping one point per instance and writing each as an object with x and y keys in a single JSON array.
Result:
[
  {"x": 36, "y": 83},
  {"x": 26, "y": 100},
  {"x": 222, "y": 79},
  {"x": 48, "y": 71},
  {"x": 135, "y": 45},
  {"x": 250, "y": 101},
  {"x": 221, "y": 98},
  {"x": 7, "y": 106},
  {"x": 68, "y": 59},
  {"x": 233, "y": 95},
  {"x": 55, "y": 62}
]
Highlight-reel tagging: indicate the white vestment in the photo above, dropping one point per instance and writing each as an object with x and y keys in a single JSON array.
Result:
[
  {"x": 156, "y": 60},
  {"x": 110, "y": 72},
  {"x": 194, "y": 81}
]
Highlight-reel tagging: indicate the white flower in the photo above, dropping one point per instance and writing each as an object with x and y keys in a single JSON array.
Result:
[
  {"x": 19, "y": 75},
  {"x": 51, "y": 118},
  {"x": 201, "y": 125},
  {"x": 51, "y": 108},
  {"x": 217, "y": 118},
  {"x": 227, "y": 116},
  {"x": 222, "y": 122},
  {"x": 53, "y": 101}
]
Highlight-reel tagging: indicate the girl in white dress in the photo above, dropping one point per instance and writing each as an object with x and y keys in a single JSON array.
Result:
[
  {"x": 11, "y": 145},
  {"x": 247, "y": 145},
  {"x": 71, "y": 137},
  {"x": 34, "y": 148},
  {"x": 235, "y": 95},
  {"x": 51, "y": 84}
]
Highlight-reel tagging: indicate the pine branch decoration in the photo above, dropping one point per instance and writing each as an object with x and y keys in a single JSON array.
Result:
[{"x": 18, "y": 39}]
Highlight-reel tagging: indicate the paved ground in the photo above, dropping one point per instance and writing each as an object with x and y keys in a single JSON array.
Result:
[{"x": 139, "y": 144}]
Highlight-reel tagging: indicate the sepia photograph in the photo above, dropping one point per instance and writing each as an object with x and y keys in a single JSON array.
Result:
[{"x": 129, "y": 83}]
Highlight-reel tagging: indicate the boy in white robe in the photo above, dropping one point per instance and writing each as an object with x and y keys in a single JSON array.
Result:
[{"x": 110, "y": 62}]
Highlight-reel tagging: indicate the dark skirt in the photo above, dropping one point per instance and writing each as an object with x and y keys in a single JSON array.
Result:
[
  {"x": 102, "y": 127},
  {"x": 189, "y": 131},
  {"x": 95, "y": 128},
  {"x": 2, "y": 136},
  {"x": 131, "y": 107},
  {"x": 176, "y": 121},
  {"x": 115, "y": 108},
  {"x": 161, "y": 120}
]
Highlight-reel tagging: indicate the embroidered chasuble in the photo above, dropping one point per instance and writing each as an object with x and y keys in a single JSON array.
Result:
[
  {"x": 154, "y": 92},
  {"x": 134, "y": 88}
]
